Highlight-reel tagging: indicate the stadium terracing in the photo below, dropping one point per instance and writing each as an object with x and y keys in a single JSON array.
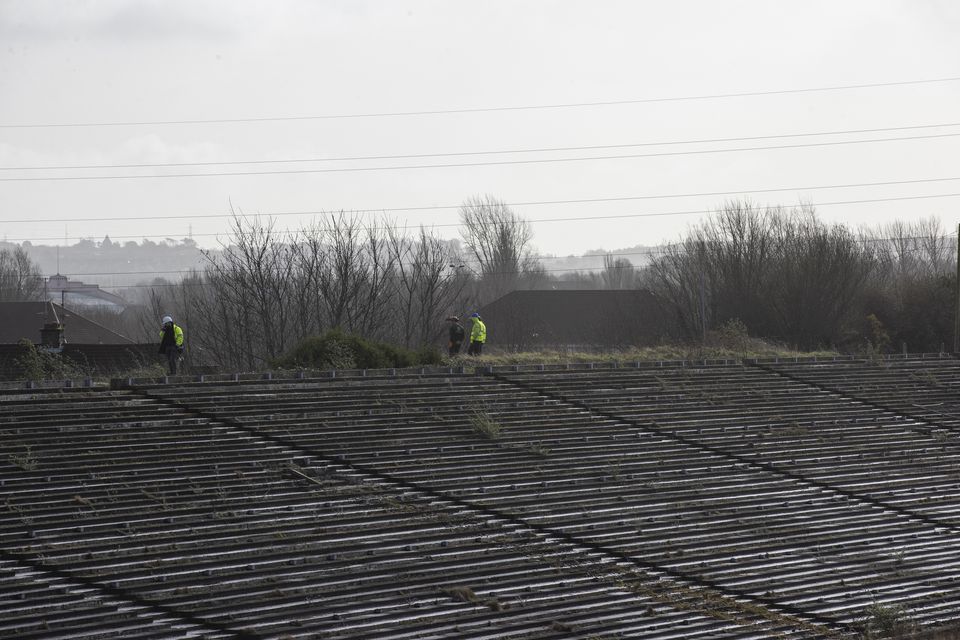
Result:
[{"x": 754, "y": 499}]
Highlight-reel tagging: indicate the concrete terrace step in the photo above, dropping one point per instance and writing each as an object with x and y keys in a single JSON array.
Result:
[
  {"x": 241, "y": 532},
  {"x": 611, "y": 466}
]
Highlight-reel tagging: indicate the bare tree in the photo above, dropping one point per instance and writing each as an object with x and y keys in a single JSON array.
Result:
[
  {"x": 783, "y": 274},
  {"x": 911, "y": 292},
  {"x": 499, "y": 241},
  {"x": 310, "y": 261},
  {"x": 198, "y": 312},
  {"x": 252, "y": 281},
  {"x": 266, "y": 290},
  {"x": 428, "y": 285},
  {"x": 353, "y": 283},
  {"x": 20, "y": 278},
  {"x": 618, "y": 273},
  {"x": 908, "y": 250},
  {"x": 740, "y": 249},
  {"x": 678, "y": 279},
  {"x": 816, "y": 280}
]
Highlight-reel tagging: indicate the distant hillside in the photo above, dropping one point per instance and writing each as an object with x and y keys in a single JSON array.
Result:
[
  {"x": 638, "y": 255},
  {"x": 112, "y": 264}
]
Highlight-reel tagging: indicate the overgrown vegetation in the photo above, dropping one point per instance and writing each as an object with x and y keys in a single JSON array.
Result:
[
  {"x": 338, "y": 350},
  {"x": 886, "y": 621},
  {"x": 787, "y": 276},
  {"x": 715, "y": 350},
  {"x": 267, "y": 291},
  {"x": 33, "y": 363},
  {"x": 26, "y": 461},
  {"x": 466, "y": 594},
  {"x": 483, "y": 423},
  {"x": 539, "y": 449},
  {"x": 771, "y": 273}
]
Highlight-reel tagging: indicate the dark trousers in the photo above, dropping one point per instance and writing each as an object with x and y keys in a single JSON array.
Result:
[
  {"x": 172, "y": 356},
  {"x": 475, "y": 348},
  {"x": 454, "y": 348}
]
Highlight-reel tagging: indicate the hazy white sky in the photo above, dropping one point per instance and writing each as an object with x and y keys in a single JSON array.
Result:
[{"x": 153, "y": 61}]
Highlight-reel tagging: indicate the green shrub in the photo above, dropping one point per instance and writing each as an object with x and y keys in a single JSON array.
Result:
[
  {"x": 338, "y": 350},
  {"x": 879, "y": 340},
  {"x": 33, "y": 363}
]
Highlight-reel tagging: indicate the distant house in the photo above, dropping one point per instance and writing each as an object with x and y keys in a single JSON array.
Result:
[
  {"x": 92, "y": 346},
  {"x": 60, "y": 288},
  {"x": 565, "y": 319}
]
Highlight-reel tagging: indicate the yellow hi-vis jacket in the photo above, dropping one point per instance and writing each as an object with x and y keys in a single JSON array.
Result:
[
  {"x": 177, "y": 335},
  {"x": 479, "y": 331}
]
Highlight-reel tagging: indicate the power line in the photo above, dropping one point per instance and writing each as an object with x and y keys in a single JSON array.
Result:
[
  {"x": 536, "y": 221},
  {"x": 432, "y": 112},
  {"x": 498, "y": 272},
  {"x": 742, "y": 192},
  {"x": 652, "y": 251},
  {"x": 205, "y": 284},
  {"x": 477, "y": 153},
  {"x": 474, "y": 164}
]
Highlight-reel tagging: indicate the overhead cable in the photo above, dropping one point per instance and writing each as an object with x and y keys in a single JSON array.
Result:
[
  {"x": 434, "y": 112},
  {"x": 533, "y": 221},
  {"x": 474, "y": 164},
  {"x": 658, "y": 250},
  {"x": 476, "y": 153},
  {"x": 742, "y": 192}
]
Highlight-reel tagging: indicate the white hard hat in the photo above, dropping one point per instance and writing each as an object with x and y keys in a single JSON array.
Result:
[{"x": 167, "y": 319}]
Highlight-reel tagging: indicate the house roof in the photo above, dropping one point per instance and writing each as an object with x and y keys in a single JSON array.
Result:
[
  {"x": 582, "y": 317},
  {"x": 574, "y": 301},
  {"x": 59, "y": 285},
  {"x": 26, "y": 319}
]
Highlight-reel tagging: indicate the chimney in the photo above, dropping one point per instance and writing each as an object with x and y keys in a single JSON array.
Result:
[{"x": 51, "y": 336}]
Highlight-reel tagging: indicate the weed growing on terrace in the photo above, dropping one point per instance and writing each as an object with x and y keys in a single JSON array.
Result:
[
  {"x": 885, "y": 621},
  {"x": 26, "y": 461},
  {"x": 466, "y": 594},
  {"x": 873, "y": 355},
  {"x": 483, "y": 423},
  {"x": 926, "y": 377},
  {"x": 613, "y": 470},
  {"x": 940, "y": 435},
  {"x": 538, "y": 449},
  {"x": 754, "y": 349}
]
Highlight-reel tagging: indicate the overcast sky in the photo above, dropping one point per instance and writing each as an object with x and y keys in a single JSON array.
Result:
[{"x": 290, "y": 66}]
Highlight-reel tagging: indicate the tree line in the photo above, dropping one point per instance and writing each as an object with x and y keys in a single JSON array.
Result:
[
  {"x": 789, "y": 277},
  {"x": 783, "y": 274},
  {"x": 266, "y": 290}
]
